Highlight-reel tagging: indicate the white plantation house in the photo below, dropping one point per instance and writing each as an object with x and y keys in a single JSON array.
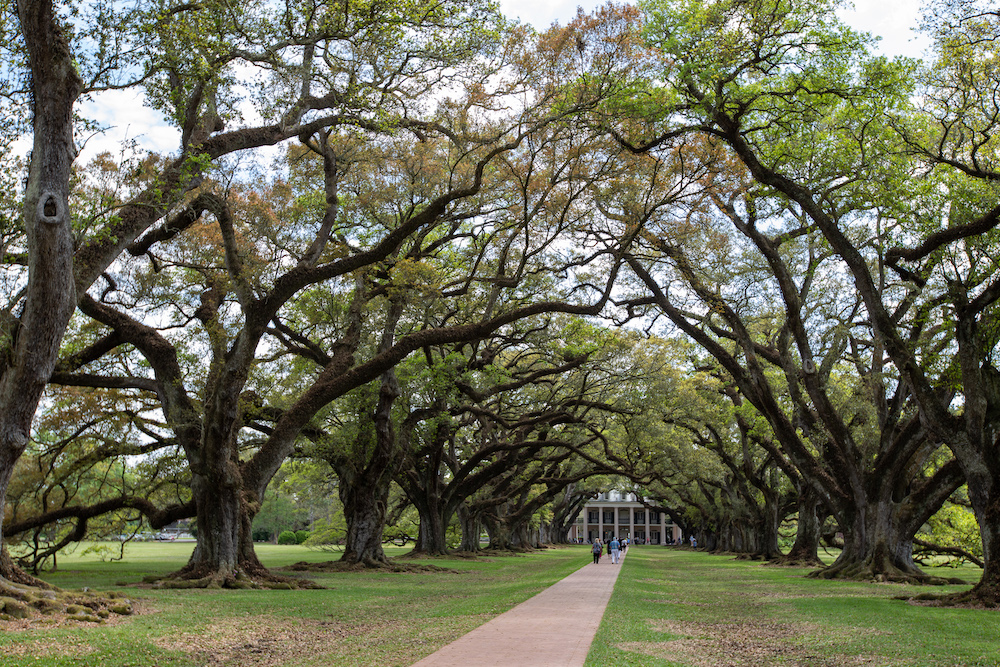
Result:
[{"x": 620, "y": 514}]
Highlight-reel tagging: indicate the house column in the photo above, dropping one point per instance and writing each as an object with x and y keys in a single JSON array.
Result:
[
  {"x": 600, "y": 523},
  {"x": 631, "y": 523}
]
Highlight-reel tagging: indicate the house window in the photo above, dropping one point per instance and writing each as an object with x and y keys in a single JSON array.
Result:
[
  {"x": 654, "y": 517},
  {"x": 609, "y": 516},
  {"x": 592, "y": 516},
  {"x": 640, "y": 516}
]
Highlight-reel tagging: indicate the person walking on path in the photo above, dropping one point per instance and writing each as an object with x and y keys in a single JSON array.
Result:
[
  {"x": 614, "y": 546},
  {"x": 596, "y": 550}
]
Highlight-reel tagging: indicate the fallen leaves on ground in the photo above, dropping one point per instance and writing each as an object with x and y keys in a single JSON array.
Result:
[{"x": 745, "y": 644}]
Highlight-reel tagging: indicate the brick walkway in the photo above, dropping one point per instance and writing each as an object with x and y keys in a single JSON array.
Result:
[{"x": 553, "y": 629}]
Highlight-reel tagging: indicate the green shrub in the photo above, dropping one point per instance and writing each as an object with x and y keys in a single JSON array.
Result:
[
  {"x": 301, "y": 536},
  {"x": 287, "y": 537}
]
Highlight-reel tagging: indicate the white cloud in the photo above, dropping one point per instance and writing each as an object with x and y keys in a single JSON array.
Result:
[
  {"x": 543, "y": 14},
  {"x": 127, "y": 119},
  {"x": 893, "y": 20}
]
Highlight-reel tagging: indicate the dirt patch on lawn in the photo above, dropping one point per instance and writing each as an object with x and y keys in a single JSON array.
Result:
[
  {"x": 748, "y": 644},
  {"x": 45, "y": 649},
  {"x": 683, "y": 603},
  {"x": 258, "y": 641}
]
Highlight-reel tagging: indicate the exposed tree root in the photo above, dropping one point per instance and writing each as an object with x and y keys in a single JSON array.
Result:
[
  {"x": 410, "y": 555},
  {"x": 11, "y": 573},
  {"x": 866, "y": 571},
  {"x": 388, "y": 566},
  {"x": 978, "y": 597},
  {"x": 23, "y": 596},
  {"x": 794, "y": 561},
  {"x": 469, "y": 555},
  {"x": 18, "y": 601},
  {"x": 506, "y": 551},
  {"x": 203, "y": 576}
]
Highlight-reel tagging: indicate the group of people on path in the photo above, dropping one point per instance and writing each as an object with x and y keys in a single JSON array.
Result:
[{"x": 615, "y": 548}]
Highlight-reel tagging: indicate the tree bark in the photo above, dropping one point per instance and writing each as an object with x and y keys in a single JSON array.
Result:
[
  {"x": 985, "y": 497},
  {"x": 365, "y": 506},
  {"x": 365, "y": 494},
  {"x": 472, "y": 527},
  {"x": 878, "y": 541},
  {"x": 32, "y": 345},
  {"x": 224, "y": 556},
  {"x": 875, "y": 548},
  {"x": 565, "y": 512},
  {"x": 523, "y": 536},
  {"x": 432, "y": 533},
  {"x": 805, "y": 549},
  {"x": 501, "y": 538}
]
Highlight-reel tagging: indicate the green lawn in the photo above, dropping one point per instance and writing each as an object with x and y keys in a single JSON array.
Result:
[
  {"x": 359, "y": 619},
  {"x": 677, "y": 607},
  {"x": 670, "y": 607}
]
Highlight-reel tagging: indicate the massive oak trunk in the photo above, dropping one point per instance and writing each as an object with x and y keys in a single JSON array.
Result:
[
  {"x": 975, "y": 446},
  {"x": 499, "y": 532},
  {"x": 511, "y": 530},
  {"x": 435, "y": 494},
  {"x": 472, "y": 527},
  {"x": 31, "y": 345},
  {"x": 218, "y": 527},
  {"x": 877, "y": 547},
  {"x": 524, "y": 537},
  {"x": 752, "y": 533},
  {"x": 564, "y": 514},
  {"x": 432, "y": 533},
  {"x": 365, "y": 502},
  {"x": 805, "y": 549},
  {"x": 985, "y": 497},
  {"x": 878, "y": 534},
  {"x": 224, "y": 555},
  {"x": 365, "y": 491},
  {"x": 768, "y": 548}
]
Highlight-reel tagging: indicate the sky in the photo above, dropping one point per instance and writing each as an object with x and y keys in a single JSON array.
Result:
[
  {"x": 893, "y": 20},
  {"x": 124, "y": 112}
]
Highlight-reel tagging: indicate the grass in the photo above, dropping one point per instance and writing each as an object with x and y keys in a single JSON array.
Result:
[
  {"x": 670, "y": 607},
  {"x": 677, "y": 607},
  {"x": 359, "y": 619}
]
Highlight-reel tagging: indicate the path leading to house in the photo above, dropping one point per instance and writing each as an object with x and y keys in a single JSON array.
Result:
[{"x": 553, "y": 629}]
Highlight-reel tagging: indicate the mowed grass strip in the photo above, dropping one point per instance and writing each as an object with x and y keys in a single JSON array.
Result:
[
  {"x": 678, "y": 607},
  {"x": 361, "y": 618}
]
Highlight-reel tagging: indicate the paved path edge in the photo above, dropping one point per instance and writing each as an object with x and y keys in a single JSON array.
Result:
[{"x": 554, "y": 628}]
